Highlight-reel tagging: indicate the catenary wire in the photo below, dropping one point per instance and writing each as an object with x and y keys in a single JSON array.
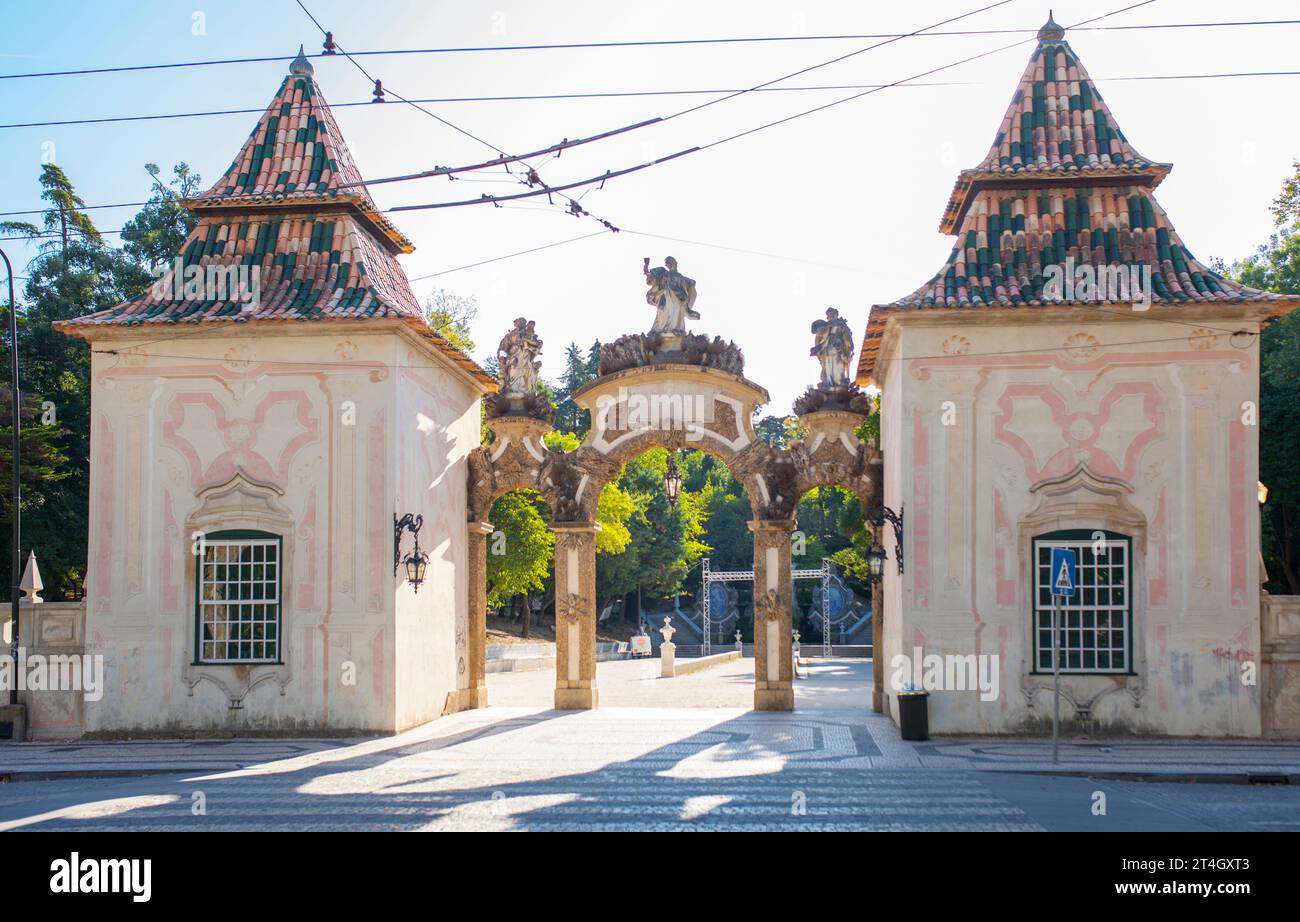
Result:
[{"x": 631, "y": 44}]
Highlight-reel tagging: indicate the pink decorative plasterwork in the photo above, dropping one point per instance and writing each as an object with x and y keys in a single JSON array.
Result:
[
  {"x": 307, "y": 536},
  {"x": 1158, "y": 584},
  {"x": 171, "y": 531},
  {"x": 1081, "y": 431},
  {"x": 380, "y": 524},
  {"x": 919, "y": 521},
  {"x": 101, "y": 586},
  {"x": 1003, "y": 551},
  {"x": 1237, "y": 504},
  {"x": 262, "y": 452}
]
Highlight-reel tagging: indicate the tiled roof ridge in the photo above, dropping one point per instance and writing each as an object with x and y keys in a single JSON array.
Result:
[
  {"x": 1057, "y": 127},
  {"x": 1010, "y": 237},
  {"x": 320, "y": 253},
  {"x": 296, "y": 147},
  {"x": 1021, "y": 223}
]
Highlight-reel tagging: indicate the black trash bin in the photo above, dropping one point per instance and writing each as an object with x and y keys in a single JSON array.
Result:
[{"x": 914, "y": 715}]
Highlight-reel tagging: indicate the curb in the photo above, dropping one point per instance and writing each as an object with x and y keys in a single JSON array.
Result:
[
  {"x": 17, "y": 777},
  {"x": 1254, "y": 778}
]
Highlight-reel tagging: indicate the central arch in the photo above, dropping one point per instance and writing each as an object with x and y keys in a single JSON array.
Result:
[{"x": 674, "y": 399}]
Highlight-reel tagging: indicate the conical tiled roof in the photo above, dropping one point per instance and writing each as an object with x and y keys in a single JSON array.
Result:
[
  {"x": 1060, "y": 188},
  {"x": 296, "y": 149},
  {"x": 319, "y": 251},
  {"x": 1057, "y": 125}
]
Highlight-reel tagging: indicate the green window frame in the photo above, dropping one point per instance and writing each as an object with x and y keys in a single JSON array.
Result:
[
  {"x": 238, "y": 602},
  {"x": 1095, "y": 631}
]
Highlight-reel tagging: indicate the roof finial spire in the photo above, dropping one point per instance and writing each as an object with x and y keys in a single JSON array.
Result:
[
  {"x": 301, "y": 67},
  {"x": 1051, "y": 30}
]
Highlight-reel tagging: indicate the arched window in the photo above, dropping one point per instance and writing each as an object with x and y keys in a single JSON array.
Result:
[
  {"x": 237, "y": 597},
  {"x": 1095, "y": 626}
]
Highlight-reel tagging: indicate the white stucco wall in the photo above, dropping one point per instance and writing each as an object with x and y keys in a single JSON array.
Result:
[
  {"x": 1159, "y": 416},
  {"x": 303, "y": 426},
  {"x": 439, "y": 428}
]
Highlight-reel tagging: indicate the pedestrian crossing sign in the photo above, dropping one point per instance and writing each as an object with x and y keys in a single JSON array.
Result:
[{"x": 1063, "y": 562}]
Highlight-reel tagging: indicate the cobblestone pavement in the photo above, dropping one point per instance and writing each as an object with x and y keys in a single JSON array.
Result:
[
  {"x": 637, "y": 683},
  {"x": 511, "y": 768}
]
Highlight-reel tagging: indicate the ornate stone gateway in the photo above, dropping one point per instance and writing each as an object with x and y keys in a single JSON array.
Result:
[{"x": 671, "y": 389}]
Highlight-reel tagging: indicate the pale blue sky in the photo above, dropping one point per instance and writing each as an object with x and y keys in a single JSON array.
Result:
[{"x": 854, "y": 192}]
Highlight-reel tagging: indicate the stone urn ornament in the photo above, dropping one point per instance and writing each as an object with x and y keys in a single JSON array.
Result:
[{"x": 667, "y": 631}]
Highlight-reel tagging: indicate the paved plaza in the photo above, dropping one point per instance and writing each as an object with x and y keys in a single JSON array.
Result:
[{"x": 683, "y": 753}]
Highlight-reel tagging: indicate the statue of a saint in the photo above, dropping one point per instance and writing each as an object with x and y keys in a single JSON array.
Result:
[
  {"x": 672, "y": 295},
  {"x": 833, "y": 346},
  {"x": 517, "y": 363}
]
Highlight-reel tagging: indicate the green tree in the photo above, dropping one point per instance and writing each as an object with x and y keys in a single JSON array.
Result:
[
  {"x": 43, "y": 460},
  {"x": 519, "y": 557},
  {"x": 578, "y": 371},
  {"x": 450, "y": 315},
  {"x": 773, "y": 430},
  {"x": 157, "y": 233},
  {"x": 65, "y": 217},
  {"x": 1276, "y": 267},
  {"x": 73, "y": 275}
]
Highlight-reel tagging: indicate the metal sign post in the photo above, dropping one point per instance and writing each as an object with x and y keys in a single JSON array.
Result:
[
  {"x": 1056, "y": 681},
  {"x": 1063, "y": 564}
]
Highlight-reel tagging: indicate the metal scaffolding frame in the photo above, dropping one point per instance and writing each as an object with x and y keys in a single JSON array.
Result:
[{"x": 739, "y": 576}]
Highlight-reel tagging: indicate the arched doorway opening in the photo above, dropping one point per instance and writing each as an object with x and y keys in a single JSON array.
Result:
[
  {"x": 834, "y": 614},
  {"x": 666, "y": 391}
]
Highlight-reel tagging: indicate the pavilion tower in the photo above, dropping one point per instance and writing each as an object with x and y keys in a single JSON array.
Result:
[
  {"x": 262, "y": 419},
  {"x": 1073, "y": 377}
]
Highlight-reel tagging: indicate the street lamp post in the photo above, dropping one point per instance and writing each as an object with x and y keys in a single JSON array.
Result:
[{"x": 15, "y": 460}]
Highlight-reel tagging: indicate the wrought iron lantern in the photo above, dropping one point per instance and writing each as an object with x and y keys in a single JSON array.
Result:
[
  {"x": 672, "y": 480},
  {"x": 878, "y": 516},
  {"x": 876, "y": 558},
  {"x": 414, "y": 562}
]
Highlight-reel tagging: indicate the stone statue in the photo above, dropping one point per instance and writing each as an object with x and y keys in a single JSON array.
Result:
[
  {"x": 672, "y": 295},
  {"x": 833, "y": 346},
  {"x": 517, "y": 364}
]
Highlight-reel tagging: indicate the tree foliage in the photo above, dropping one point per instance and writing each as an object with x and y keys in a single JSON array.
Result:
[
  {"x": 1276, "y": 267},
  {"x": 73, "y": 274},
  {"x": 520, "y": 549},
  {"x": 450, "y": 315}
]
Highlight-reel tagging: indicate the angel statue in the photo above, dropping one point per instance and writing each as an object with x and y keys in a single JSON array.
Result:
[
  {"x": 833, "y": 346},
  {"x": 672, "y": 295},
  {"x": 517, "y": 364}
]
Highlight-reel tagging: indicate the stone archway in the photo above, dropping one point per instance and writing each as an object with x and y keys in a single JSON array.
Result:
[{"x": 659, "y": 390}]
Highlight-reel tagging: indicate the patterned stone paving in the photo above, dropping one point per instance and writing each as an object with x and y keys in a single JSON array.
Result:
[{"x": 721, "y": 768}]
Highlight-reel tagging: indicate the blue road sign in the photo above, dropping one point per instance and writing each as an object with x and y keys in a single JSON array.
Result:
[{"x": 1063, "y": 563}]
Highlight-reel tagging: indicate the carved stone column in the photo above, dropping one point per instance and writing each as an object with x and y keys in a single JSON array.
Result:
[
  {"x": 773, "y": 589},
  {"x": 475, "y": 692},
  {"x": 877, "y": 649},
  {"x": 575, "y": 615}
]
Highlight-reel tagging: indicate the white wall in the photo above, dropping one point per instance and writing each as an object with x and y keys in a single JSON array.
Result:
[{"x": 439, "y": 427}]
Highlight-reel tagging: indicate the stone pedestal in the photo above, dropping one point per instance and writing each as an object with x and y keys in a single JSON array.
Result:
[
  {"x": 667, "y": 660},
  {"x": 575, "y": 627},
  {"x": 474, "y": 694},
  {"x": 773, "y": 588}
]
